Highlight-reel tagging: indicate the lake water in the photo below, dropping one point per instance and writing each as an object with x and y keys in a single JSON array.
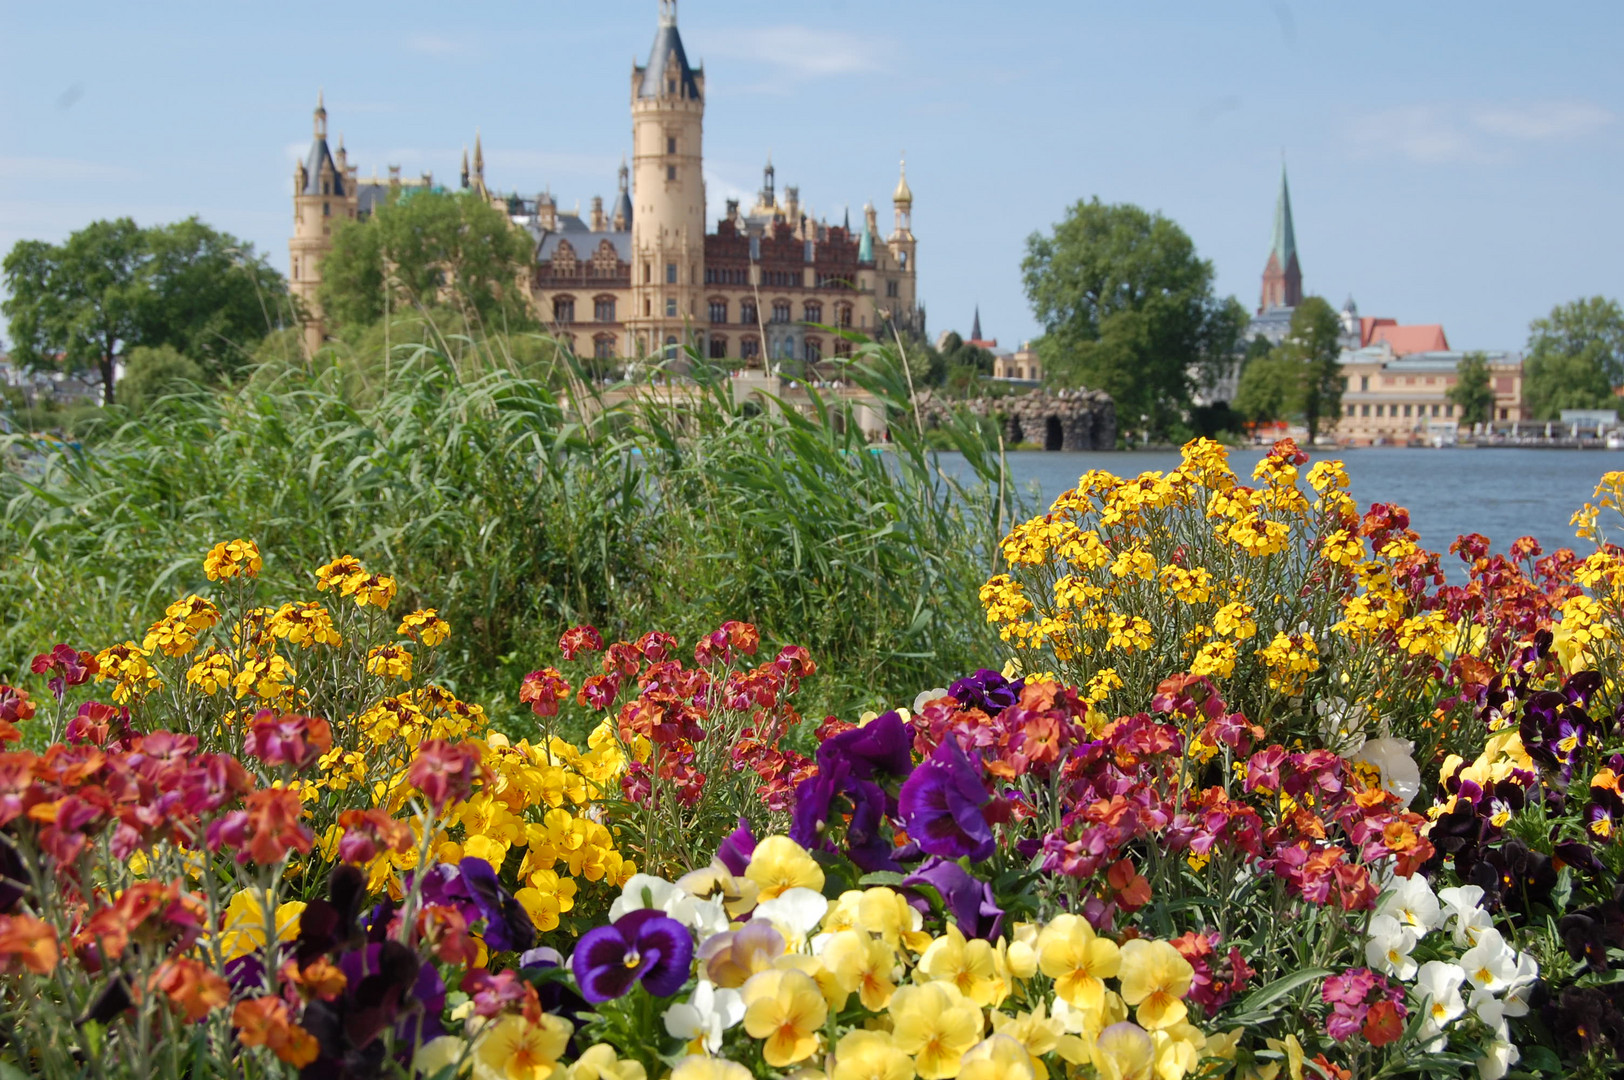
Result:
[{"x": 1503, "y": 493}]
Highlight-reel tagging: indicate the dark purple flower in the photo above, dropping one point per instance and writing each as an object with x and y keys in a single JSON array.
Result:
[
  {"x": 881, "y": 745},
  {"x": 507, "y": 925},
  {"x": 867, "y": 845},
  {"x": 987, "y": 690},
  {"x": 967, "y": 899},
  {"x": 644, "y": 946},
  {"x": 736, "y": 849},
  {"x": 814, "y": 805},
  {"x": 941, "y": 803}
]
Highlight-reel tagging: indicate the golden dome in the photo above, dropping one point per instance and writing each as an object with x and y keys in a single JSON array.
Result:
[{"x": 903, "y": 194}]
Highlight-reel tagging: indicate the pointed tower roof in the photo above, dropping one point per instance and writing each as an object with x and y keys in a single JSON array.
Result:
[
  {"x": 1284, "y": 246},
  {"x": 667, "y": 47},
  {"x": 623, "y": 205},
  {"x": 320, "y": 155},
  {"x": 975, "y": 325},
  {"x": 903, "y": 194},
  {"x": 479, "y": 155}
]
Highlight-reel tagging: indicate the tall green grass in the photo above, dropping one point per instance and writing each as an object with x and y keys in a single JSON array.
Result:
[{"x": 476, "y": 483}]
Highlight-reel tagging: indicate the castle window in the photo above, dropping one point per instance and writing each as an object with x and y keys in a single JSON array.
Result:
[
  {"x": 747, "y": 312},
  {"x": 326, "y": 209},
  {"x": 1351, "y": 410},
  {"x": 670, "y": 145},
  {"x": 1364, "y": 383},
  {"x": 1407, "y": 410},
  {"x": 843, "y": 315},
  {"x": 1364, "y": 410},
  {"x": 670, "y": 172},
  {"x": 648, "y": 276},
  {"x": 646, "y": 308},
  {"x": 842, "y": 347},
  {"x": 670, "y": 273},
  {"x": 603, "y": 309},
  {"x": 671, "y": 86},
  {"x": 718, "y": 348},
  {"x": 671, "y": 307},
  {"x": 781, "y": 311},
  {"x": 813, "y": 312},
  {"x": 891, "y": 288},
  {"x": 718, "y": 311},
  {"x": 1449, "y": 410},
  {"x": 564, "y": 309},
  {"x": 603, "y": 347},
  {"x": 749, "y": 348},
  {"x": 814, "y": 350}
]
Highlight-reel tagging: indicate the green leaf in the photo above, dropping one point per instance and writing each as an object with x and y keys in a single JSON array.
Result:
[
  {"x": 881, "y": 877},
  {"x": 1251, "y": 1008}
]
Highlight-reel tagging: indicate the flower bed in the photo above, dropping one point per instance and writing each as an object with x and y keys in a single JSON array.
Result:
[{"x": 1255, "y": 793}]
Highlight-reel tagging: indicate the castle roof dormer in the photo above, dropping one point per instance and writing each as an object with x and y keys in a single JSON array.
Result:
[{"x": 668, "y": 73}]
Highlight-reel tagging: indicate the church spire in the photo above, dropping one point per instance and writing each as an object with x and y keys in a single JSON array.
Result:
[
  {"x": 975, "y": 325},
  {"x": 1285, "y": 237},
  {"x": 1283, "y": 273}
]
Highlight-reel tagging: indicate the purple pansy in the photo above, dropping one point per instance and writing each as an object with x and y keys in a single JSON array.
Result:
[
  {"x": 967, "y": 899},
  {"x": 941, "y": 803},
  {"x": 644, "y": 946},
  {"x": 880, "y": 746},
  {"x": 736, "y": 849},
  {"x": 987, "y": 690},
  {"x": 507, "y": 925}
]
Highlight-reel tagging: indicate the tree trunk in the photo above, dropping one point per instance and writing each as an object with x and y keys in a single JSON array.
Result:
[{"x": 106, "y": 365}]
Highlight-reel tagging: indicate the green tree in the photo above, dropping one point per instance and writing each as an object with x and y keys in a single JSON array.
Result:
[
  {"x": 431, "y": 248},
  {"x": 1575, "y": 358},
  {"x": 76, "y": 305},
  {"x": 1127, "y": 307},
  {"x": 112, "y": 286},
  {"x": 210, "y": 296},
  {"x": 1472, "y": 393},
  {"x": 1299, "y": 378},
  {"x": 1312, "y": 342},
  {"x": 151, "y": 372}
]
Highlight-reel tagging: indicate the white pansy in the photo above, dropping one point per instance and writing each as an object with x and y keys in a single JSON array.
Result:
[
  {"x": 1342, "y": 724},
  {"x": 1411, "y": 902},
  {"x": 1392, "y": 757},
  {"x": 1461, "y": 909},
  {"x": 1522, "y": 985},
  {"x": 706, "y": 1014},
  {"x": 1491, "y": 964},
  {"x": 1498, "y": 1058},
  {"x": 1389, "y": 947},
  {"x": 927, "y": 696},
  {"x": 1438, "y": 984},
  {"x": 704, "y": 917},
  {"x": 795, "y": 913}
]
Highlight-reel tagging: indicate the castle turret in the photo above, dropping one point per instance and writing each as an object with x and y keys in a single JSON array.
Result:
[
  {"x": 900, "y": 292},
  {"x": 668, "y": 227},
  {"x": 324, "y": 194},
  {"x": 622, "y": 220},
  {"x": 1282, "y": 274}
]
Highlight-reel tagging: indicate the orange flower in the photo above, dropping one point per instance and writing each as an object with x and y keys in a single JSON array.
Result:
[
  {"x": 319, "y": 978},
  {"x": 265, "y": 1022},
  {"x": 191, "y": 987},
  {"x": 30, "y": 941},
  {"x": 273, "y": 826}
]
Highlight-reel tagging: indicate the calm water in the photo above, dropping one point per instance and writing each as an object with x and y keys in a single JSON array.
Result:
[{"x": 1501, "y": 493}]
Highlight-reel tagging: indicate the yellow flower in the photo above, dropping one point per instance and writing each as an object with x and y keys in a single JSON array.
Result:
[
  {"x": 997, "y": 1058},
  {"x": 390, "y": 662},
  {"x": 936, "y": 1024},
  {"x": 376, "y": 590},
  {"x": 1129, "y": 633},
  {"x": 1178, "y": 1048},
  {"x": 870, "y": 1055},
  {"x": 176, "y": 633},
  {"x": 425, "y": 626},
  {"x": 1077, "y": 960},
  {"x": 707, "y": 1068},
  {"x": 438, "y": 1053},
  {"x": 1290, "y": 657},
  {"x": 344, "y": 574},
  {"x": 779, "y": 864},
  {"x": 305, "y": 624},
  {"x": 234, "y": 558},
  {"x": 600, "y": 1063},
  {"x": 1235, "y": 620},
  {"x": 785, "y": 1009},
  {"x": 1155, "y": 978},
  {"x": 1343, "y": 548},
  {"x": 1125, "y": 1051},
  {"x": 211, "y": 672},
  {"x": 126, "y": 667},
  {"x": 1002, "y": 598},
  {"x": 512, "y": 1048},
  {"x": 265, "y": 677},
  {"x": 243, "y": 928},
  {"x": 972, "y": 966},
  {"x": 862, "y": 965}
]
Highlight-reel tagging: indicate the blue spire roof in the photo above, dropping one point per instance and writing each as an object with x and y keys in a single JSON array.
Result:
[
  {"x": 667, "y": 46},
  {"x": 865, "y": 246},
  {"x": 1285, "y": 237}
]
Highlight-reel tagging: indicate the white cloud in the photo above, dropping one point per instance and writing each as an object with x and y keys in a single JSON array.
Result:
[
  {"x": 1440, "y": 134},
  {"x": 50, "y": 168},
  {"x": 1543, "y": 120},
  {"x": 436, "y": 45},
  {"x": 800, "y": 51}
]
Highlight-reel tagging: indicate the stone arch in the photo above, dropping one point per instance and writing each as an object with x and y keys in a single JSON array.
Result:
[{"x": 1053, "y": 434}]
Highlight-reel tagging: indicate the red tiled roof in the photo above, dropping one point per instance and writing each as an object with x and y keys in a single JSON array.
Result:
[
  {"x": 1403, "y": 340},
  {"x": 1367, "y": 328}
]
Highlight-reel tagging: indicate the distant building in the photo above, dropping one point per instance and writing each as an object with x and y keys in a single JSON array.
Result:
[
  {"x": 1282, "y": 274},
  {"x": 647, "y": 275},
  {"x": 1393, "y": 398},
  {"x": 1022, "y": 365}
]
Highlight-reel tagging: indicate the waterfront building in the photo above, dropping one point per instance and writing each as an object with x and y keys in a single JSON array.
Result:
[
  {"x": 770, "y": 284},
  {"x": 1022, "y": 365},
  {"x": 1393, "y": 398}
]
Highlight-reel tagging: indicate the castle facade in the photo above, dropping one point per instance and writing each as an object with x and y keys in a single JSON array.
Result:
[{"x": 648, "y": 276}]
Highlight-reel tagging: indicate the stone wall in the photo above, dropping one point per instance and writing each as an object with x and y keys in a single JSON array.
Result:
[{"x": 1063, "y": 420}]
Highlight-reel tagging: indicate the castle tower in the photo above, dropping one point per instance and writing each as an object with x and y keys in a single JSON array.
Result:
[
  {"x": 323, "y": 195},
  {"x": 902, "y": 246},
  {"x": 622, "y": 221},
  {"x": 668, "y": 225},
  {"x": 1282, "y": 274}
]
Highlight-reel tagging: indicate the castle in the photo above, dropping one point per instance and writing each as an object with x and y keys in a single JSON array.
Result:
[{"x": 646, "y": 276}]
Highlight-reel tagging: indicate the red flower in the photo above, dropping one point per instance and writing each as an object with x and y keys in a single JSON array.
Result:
[
  {"x": 1384, "y": 1023},
  {"x": 370, "y": 832},
  {"x": 14, "y": 704},
  {"x": 28, "y": 941},
  {"x": 287, "y": 740},
  {"x": 543, "y": 691},
  {"x": 273, "y": 827},
  {"x": 1133, "y": 891},
  {"x": 443, "y": 772},
  {"x": 69, "y": 667},
  {"x": 580, "y": 639},
  {"x": 599, "y": 691}
]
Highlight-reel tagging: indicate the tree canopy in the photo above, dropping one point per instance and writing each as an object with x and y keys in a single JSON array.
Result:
[
  {"x": 1471, "y": 393},
  {"x": 1300, "y": 377},
  {"x": 1127, "y": 307},
  {"x": 112, "y": 286},
  {"x": 1575, "y": 358},
  {"x": 431, "y": 248}
]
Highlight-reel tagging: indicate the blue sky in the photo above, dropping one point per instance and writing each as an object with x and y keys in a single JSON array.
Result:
[{"x": 1450, "y": 162}]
